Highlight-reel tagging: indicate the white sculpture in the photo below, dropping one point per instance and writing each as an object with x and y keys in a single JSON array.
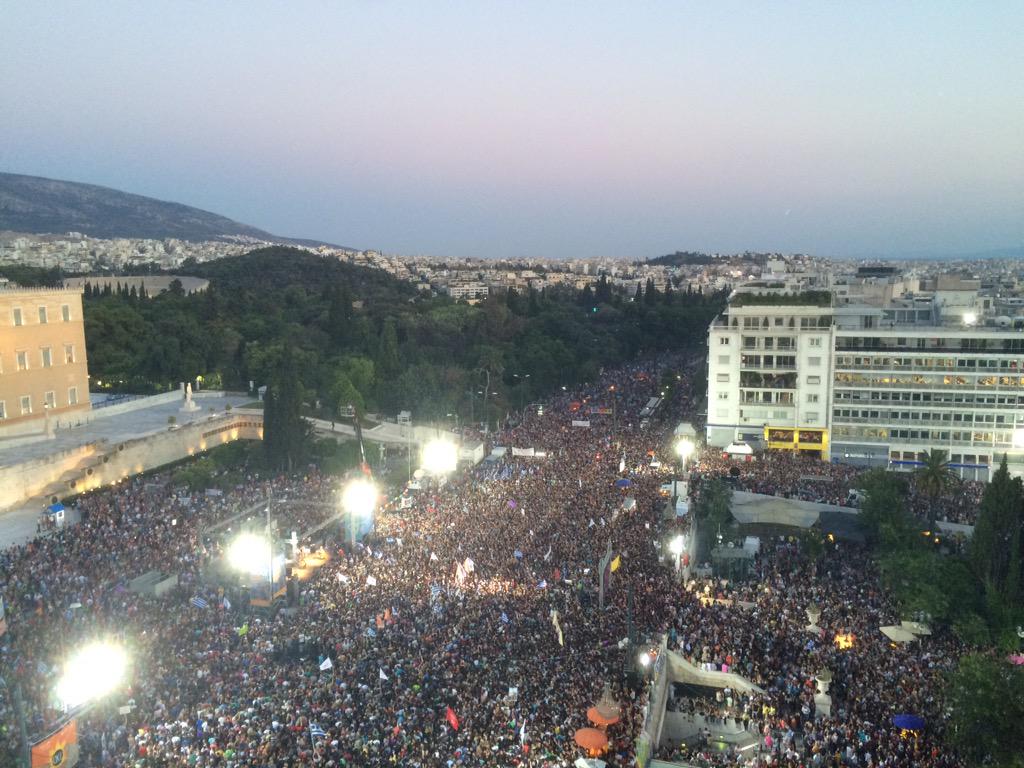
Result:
[{"x": 189, "y": 404}]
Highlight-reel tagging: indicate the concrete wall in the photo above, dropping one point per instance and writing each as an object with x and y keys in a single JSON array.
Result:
[
  {"x": 681, "y": 670},
  {"x": 19, "y": 482},
  {"x": 146, "y": 453}
]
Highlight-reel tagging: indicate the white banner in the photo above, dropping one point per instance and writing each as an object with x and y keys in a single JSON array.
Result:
[
  {"x": 577, "y": 423},
  {"x": 523, "y": 452}
]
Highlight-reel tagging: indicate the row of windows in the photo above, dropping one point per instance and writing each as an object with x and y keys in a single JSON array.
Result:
[
  {"x": 49, "y": 401},
  {"x": 45, "y": 357},
  {"x": 970, "y": 363},
  {"x": 977, "y": 418},
  {"x": 859, "y": 379},
  {"x": 936, "y": 398},
  {"x": 937, "y": 343},
  {"x": 928, "y": 435},
  {"x": 18, "y": 317}
]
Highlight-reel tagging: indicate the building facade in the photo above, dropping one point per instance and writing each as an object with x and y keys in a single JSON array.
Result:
[
  {"x": 43, "y": 369},
  {"x": 868, "y": 385}
]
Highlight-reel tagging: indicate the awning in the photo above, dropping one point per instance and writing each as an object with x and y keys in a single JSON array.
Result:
[
  {"x": 738, "y": 449},
  {"x": 898, "y": 634},
  {"x": 916, "y": 627},
  {"x": 592, "y": 740},
  {"x": 594, "y": 715}
]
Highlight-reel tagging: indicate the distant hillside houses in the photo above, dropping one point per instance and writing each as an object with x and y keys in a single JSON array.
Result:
[{"x": 153, "y": 284}]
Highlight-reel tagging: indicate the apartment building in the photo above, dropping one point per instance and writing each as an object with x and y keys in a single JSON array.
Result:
[
  {"x": 870, "y": 385},
  {"x": 42, "y": 354}
]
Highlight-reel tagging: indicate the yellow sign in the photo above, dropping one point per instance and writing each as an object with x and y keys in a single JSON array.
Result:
[
  {"x": 796, "y": 438},
  {"x": 616, "y": 563},
  {"x": 60, "y": 748}
]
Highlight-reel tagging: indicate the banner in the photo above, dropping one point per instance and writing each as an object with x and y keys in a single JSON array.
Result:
[
  {"x": 523, "y": 452},
  {"x": 60, "y": 748},
  {"x": 601, "y": 411},
  {"x": 580, "y": 423}
]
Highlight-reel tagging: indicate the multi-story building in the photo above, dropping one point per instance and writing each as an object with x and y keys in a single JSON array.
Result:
[
  {"x": 42, "y": 354},
  {"x": 871, "y": 385}
]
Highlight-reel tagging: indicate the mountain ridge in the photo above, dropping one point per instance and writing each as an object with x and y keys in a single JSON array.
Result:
[{"x": 39, "y": 205}]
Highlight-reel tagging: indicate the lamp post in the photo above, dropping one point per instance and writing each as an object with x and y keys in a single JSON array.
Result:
[
  {"x": 359, "y": 499},
  {"x": 676, "y": 547},
  {"x": 684, "y": 449}
]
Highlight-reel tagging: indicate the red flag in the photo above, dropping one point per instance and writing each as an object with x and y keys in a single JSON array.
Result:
[{"x": 452, "y": 719}]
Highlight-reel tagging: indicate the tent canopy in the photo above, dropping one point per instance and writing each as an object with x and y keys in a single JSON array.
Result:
[
  {"x": 898, "y": 634},
  {"x": 908, "y": 722},
  {"x": 738, "y": 449}
]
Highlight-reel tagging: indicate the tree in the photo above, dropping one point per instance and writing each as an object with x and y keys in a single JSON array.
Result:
[
  {"x": 934, "y": 477},
  {"x": 884, "y": 510},
  {"x": 986, "y": 697},
  {"x": 285, "y": 432},
  {"x": 387, "y": 349},
  {"x": 996, "y": 543}
]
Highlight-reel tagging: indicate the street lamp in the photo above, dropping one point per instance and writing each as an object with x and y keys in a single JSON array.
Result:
[
  {"x": 676, "y": 547},
  {"x": 92, "y": 673},
  {"x": 684, "y": 449},
  {"x": 440, "y": 457},
  {"x": 359, "y": 499}
]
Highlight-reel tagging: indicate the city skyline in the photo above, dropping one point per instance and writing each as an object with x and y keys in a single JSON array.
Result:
[{"x": 537, "y": 131}]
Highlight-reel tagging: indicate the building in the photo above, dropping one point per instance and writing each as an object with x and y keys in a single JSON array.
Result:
[
  {"x": 869, "y": 385},
  {"x": 43, "y": 368}
]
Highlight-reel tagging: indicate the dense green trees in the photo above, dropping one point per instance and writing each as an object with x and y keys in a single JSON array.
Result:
[
  {"x": 986, "y": 698},
  {"x": 996, "y": 544},
  {"x": 358, "y": 336},
  {"x": 933, "y": 477}
]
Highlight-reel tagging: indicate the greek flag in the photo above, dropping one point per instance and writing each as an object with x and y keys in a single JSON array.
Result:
[
  {"x": 316, "y": 732},
  {"x": 198, "y": 602}
]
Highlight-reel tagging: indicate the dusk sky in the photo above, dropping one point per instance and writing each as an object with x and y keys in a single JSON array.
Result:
[{"x": 538, "y": 129}]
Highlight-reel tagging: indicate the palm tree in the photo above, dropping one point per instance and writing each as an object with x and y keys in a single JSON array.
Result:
[{"x": 933, "y": 477}]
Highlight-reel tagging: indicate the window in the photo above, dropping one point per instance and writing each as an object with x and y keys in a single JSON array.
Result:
[
  {"x": 723, "y": 378},
  {"x": 814, "y": 379},
  {"x": 69, "y": 353},
  {"x": 723, "y": 359},
  {"x": 50, "y": 399},
  {"x": 46, "y": 353},
  {"x": 812, "y": 398},
  {"x": 3, "y": 409},
  {"x": 65, "y": 313},
  {"x": 723, "y": 395},
  {"x": 815, "y": 341},
  {"x": 73, "y": 396},
  {"x": 26, "y": 405},
  {"x": 23, "y": 361},
  {"x": 811, "y": 416},
  {"x": 16, "y": 313},
  {"x": 723, "y": 340},
  {"x": 42, "y": 315},
  {"x": 815, "y": 361}
]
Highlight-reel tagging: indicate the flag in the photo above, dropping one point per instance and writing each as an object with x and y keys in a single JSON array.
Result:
[
  {"x": 371, "y": 581},
  {"x": 543, "y": 584},
  {"x": 433, "y": 557},
  {"x": 469, "y": 565},
  {"x": 558, "y": 627},
  {"x": 460, "y": 573},
  {"x": 616, "y": 563},
  {"x": 59, "y": 748},
  {"x": 243, "y": 630},
  {"x": 382, "y": 675},
  {"x": 316, "y": 732},
  {"x": 198, "y": 602},
  {"x": 592, "y": 523},
  {"x": 225, "y": 603},
  {"x": 547, "y": 555},
  {"x": 451, "y": 717},
  {"x": 504, "y": 618},
  {"x": 522, "y": 733},
  {"x": 326, "y": 664},
  {"x": 518, "y": 555}
]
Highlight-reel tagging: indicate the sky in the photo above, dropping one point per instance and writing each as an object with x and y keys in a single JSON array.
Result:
[{"x": 538, "y": 129}]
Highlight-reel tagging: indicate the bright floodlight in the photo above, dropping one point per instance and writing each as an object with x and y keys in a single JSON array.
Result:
[
  {"x": 92, "y": 673},
  {"x": 1018, "y": 438},
  {"x": 676, "y": 545},
  {"x": 970, "y": 318},
  {"x": 359, "y": 498},
  {"x": 249, "y": 553},
  {"x": 440, "y": 457},
  {"x": 685, "y": 449},
  {"x": 645, "y": 659}
]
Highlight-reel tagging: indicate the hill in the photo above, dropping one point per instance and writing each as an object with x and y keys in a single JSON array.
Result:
[{"x": 36, "y": 205}]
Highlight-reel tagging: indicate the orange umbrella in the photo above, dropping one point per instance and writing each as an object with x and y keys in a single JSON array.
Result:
[
  {"x": 595, "y": 716},
  {"x": 592, "y": 740}
]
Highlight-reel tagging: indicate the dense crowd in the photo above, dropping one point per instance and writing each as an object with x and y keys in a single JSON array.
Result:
[
  {"x": 807, "y": 478},
  {"x": 466, "y": 629}
]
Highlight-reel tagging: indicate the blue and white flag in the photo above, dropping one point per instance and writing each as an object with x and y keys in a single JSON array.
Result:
[
  {"x": 504, "y": 618},
  {"x": 198, "y": 602},
  {"x": 316, "y": 732}
]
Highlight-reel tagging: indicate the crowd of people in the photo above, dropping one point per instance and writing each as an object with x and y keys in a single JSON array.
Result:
[
  {"x": 466, "y": 630},
  {"x": 807, "y": 478}
]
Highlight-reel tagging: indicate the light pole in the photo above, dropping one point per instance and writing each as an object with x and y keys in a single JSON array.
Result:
[
  {"x": 676, "y": 547},
  {"x": 359, "y": 499},
  {"x": 684, "y": 449}
]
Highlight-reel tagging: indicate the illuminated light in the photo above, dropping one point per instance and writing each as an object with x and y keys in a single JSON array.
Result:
[
  {"x": 831, "y": 538},
  {"x": 677, "y": 545},
  {"x": 249, "y": 553},
  {"x": 970, "y": 318},
  {"x": 684, "y": 448},
  {"x": 645, "y": 659},
  {"x": 93, "y": 672},
  {"x": 844, "y": 642},
  {"x": 360, "y": 498},
  {"x": 440, "y": 457}
]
